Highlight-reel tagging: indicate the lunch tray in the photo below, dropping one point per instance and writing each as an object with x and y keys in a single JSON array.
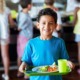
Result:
[{"x": 35, "y": 73}]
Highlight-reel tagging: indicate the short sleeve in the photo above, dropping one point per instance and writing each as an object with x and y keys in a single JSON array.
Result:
[
  {"x": 22, "y": 21},
  {"x": 27, "y": 54},
  {"x": 64, "y": 53}
]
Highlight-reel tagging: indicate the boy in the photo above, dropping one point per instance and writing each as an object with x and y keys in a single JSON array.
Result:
[
  {"x": 25, "y": 27},
  {"x": 49, "y": 4},
  {"x": 45, "y": 49}
]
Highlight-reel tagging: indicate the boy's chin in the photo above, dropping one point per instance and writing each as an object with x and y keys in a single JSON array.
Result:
[{"x": 47, "y": 34}]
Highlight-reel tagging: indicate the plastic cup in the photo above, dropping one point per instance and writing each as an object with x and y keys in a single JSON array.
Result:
[{"x": 62, "y": 65}]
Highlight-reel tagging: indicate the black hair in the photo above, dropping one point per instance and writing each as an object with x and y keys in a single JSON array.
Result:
[
  {"x": 49, "y": 2},
  {"x": 25, "y": 3},
  {"x": 47, "y": 11},
  {"x": 78, "y": 0}
]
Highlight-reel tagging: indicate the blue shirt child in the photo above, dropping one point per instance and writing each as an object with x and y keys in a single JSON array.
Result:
[{"x": 44, "y": 52}]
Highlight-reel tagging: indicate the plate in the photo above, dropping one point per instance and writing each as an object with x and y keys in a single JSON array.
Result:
[{"x": 37, "y": 70}]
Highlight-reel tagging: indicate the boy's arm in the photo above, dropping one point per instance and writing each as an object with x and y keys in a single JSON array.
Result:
[
  {"x": 22, "y": 67},
  {"x": 64, "y": 55}
]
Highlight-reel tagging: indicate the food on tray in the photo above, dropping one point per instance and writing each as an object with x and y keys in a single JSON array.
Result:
[
  {"x": 43, "y": 68},
  {"x": 51, "y": 68}
]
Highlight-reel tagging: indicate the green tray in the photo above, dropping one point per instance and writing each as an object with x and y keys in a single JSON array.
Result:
[{"x": 34, "y": 73}]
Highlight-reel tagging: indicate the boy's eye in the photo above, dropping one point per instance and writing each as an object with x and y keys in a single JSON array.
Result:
[
  {"x": 48, "y": 23},
  {"x": 43, "y": 23},
  {"x": 51, "y": 23}
]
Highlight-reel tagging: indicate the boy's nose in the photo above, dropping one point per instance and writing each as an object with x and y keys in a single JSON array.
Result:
[{"x": 47, "y": 25}]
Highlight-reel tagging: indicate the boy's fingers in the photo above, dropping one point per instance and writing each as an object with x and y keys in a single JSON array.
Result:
[
  {"x": 71, "y": 65},
  {"x": 20, "y": 69}
]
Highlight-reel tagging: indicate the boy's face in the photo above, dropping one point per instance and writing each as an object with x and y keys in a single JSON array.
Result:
[{"x": 46, "y": 25}]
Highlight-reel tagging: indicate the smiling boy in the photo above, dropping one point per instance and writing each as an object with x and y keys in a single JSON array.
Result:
[{"x": 45, "y": 49}]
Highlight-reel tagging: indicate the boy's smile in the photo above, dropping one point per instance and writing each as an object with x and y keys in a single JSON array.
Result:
[{"x": 46, "y": 25}]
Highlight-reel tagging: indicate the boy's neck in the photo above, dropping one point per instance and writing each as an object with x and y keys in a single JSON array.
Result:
[
  {"x": 25, "y": 10},
  {"x": 45, "y": 38}
]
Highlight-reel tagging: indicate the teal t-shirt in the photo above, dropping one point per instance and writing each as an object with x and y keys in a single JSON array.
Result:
[{"x": 44, "y": 52}]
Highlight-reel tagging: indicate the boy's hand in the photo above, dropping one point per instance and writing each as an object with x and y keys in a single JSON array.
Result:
[
  {"x": 22, "y": 67},
  {"x": 71, "y": 65}
]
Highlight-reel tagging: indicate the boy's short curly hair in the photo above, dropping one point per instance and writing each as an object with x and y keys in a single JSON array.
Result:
[
  {"x": 47, "y": 11},
  {"x": 25, "y": 3}
]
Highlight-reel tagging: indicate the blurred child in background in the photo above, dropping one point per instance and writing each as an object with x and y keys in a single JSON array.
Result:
[
  {"x": 77, "y": 29},
  {"x": 50, "y": 4},
  {"x": 5, "y": 20},
  {"x": 25, "y": 28}
]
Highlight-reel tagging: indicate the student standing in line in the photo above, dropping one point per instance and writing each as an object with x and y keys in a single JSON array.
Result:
[
  {"x": 25, "y": 27},
  {"x": 77, "y": 29},
  {"x": 5, "y": 20}
]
